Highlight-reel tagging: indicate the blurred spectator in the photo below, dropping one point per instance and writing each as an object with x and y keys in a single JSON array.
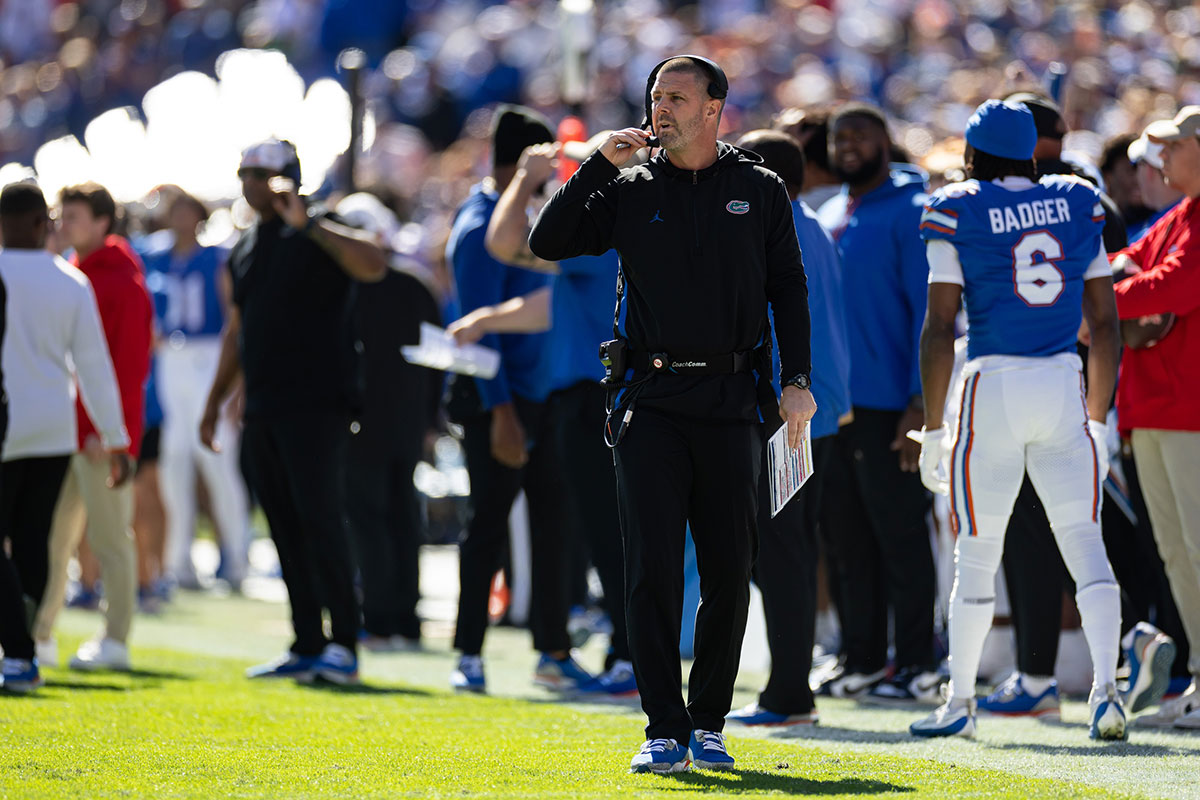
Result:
[
  {"x": 811, "y": 129},
  {"x": 400, "y": 406},
  {"x": 1157, "y": 194},
  {"x": 289, "y": 336},
  {"x": 52, "y": 335},
  {"x": 1159, "y": 384},
  {"x": 1120, "y": 181},
  {"x": 87, "y": 217},
  {"x": 883, "y": 551}
]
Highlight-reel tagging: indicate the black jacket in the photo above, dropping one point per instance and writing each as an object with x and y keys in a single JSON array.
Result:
[{"x": 702, "y": 253}]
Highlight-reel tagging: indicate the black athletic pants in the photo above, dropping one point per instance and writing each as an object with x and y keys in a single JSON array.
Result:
[
  {"x": 297, "y": 466},
  {"x": 481, "y": 553},
  {"x": 578, "y": 418},
  {"x": 672, "y": 470},
  {"x": 786, "y": 574},
  {"x": 880, "y": 546},
  {"x": 385, "y": 523},
  {"x": 1036, "y": 576},
  {"x": 29, "y": 489}
]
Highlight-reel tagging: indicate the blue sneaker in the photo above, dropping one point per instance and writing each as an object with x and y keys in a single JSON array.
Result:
[
  {"x": 468, "y": 677},
  {"x": 756, "y": 715},
  {"x": 288, "y": 665},
  {"x": 1014, "y": 699},
  {"x": 19, "y": 675},
  {"x": 1150, "y": 654},
  {"x": 955, "y": 717},
  {"x": 618, "y": 681},
  {"x": 708, "y": 750},
  {"x": 560, "y": 675},
  {"x": 1108, "y": 715},
  {"x": 337, "y": 664},
  {"x": 661, "y": 756}
]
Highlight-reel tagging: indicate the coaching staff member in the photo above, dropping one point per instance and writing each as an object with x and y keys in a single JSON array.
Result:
[
  {"x": 706, "y": 241},
  {"x": 290, "y": 334}
]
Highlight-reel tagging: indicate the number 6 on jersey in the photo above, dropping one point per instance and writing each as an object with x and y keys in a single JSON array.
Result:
[{"x": 1037, "y": 282}]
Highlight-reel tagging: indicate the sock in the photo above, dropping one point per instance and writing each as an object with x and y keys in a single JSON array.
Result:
[
  {"x": 1100, "y": 611},
  {"x": 970, "y": 620},
  {"x": 1036, "y": 684}
]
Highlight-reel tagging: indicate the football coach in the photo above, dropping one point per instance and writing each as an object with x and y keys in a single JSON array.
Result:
[{"x": 705, "y": 238}]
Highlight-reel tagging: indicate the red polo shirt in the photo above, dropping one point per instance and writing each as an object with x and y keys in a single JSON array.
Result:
[
  {"x": 127, "y": 315},
  {"x": 1160, "y": 385}
]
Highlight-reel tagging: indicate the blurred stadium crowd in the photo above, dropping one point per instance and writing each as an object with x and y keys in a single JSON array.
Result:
[{"x": 435, "y": 72}]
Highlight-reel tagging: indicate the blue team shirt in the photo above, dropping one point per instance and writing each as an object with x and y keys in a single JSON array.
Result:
[
  {"x": 1024, "y": 254},
  {"x": 581, "y": 310},
  {"x": 481, "y": 280},
  {"x": 184, "y": 289}
]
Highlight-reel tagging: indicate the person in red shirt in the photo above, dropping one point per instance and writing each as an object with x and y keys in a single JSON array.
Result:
[
  {"x": 1158, "y": 395},
  {"x": 88, "y": 494}
]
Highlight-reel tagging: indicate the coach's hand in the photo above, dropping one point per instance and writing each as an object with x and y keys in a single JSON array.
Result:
[
  {"x": 508, "y": 437},
  {"x": 933, "y": 444},
  {"x": 286, "y": 200},
  {"x": 630, "y": 140},
  {"x": 912, "y": 419},
  {"x": 796, "y": 407}
]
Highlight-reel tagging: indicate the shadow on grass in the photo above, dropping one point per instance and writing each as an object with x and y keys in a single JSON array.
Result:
[
  {"x": 368, "y": 689},
  {"x": 834, "y": 734},
  {"x": 88, "y": 686},
  {"x": 1098, "y": 748},
  {"x": 747, "y": 781}
]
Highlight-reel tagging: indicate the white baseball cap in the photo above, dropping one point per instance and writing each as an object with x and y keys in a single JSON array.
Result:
[{"x": 1142, "y": 149}]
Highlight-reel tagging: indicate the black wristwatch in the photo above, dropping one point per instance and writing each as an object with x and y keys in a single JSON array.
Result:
[{"x": 800, "y": 381}]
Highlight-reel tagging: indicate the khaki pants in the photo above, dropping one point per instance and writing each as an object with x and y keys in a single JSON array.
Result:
[
  {"x": 1167, "y": 464},
  {"x": 108, "y": 515}
]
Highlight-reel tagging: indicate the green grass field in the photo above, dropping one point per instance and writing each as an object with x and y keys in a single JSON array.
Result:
[{"x": 186, "y": 724}]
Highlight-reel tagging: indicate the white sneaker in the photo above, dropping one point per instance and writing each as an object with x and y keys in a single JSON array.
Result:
[
  {"x": 101, "y": 654},
  {"x": 1189, "y": 721},
  {"x": 47, "y": 652},
  {"x": 955, "y": 717},
  {"x": 1172, "y": 711},
  {"x": 1108, "y": 714}
]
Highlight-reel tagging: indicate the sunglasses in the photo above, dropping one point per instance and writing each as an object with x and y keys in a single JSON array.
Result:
[{"x": 257, "y": 173}]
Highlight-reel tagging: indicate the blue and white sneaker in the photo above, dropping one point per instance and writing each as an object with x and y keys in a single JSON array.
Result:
[
  {"x": 708, "y": 750},
  {"x": 19, "y": 675},
  {"x": 955, "y": 717},
  {"x": 617, "y": 681},
  {"x": 1150, "y": 654},
  {"x": 755, "y": 715},
  {"x": 661, "y": 756},
  {"x": 1014, "y": 699},
  {"x": 468, "y": 677},
  {"x": 288, "y": 665},
  {"x": 560, "y": 675},
  {"x": 337, "y": 664},
  {"x": 1108, "y": 714}
]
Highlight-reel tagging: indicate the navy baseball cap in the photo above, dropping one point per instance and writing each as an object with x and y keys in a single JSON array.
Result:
[{"x": 1003, "y": 129}]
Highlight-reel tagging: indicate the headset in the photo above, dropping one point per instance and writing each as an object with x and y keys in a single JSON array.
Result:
[{"x": 718, "y": 83}]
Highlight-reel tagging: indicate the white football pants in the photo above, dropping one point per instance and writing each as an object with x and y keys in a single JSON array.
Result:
[
  {"x": 185, "y": 375},
  {"x": 1021, "y": 414}
]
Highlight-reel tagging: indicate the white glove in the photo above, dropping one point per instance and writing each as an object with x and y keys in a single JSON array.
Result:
[
  {"x": 1099, "y": 433},
  {"x": 934, "y": 444}
]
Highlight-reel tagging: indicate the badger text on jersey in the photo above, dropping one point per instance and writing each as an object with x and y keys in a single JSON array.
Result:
[{"x": 1036, "y": 214}]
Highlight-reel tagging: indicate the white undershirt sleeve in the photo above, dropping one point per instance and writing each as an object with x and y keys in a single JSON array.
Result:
[
  {"x": 95, "y": 373},
  {"x": 944, "y": 266},
  {"x": 1099, "y": 268}
]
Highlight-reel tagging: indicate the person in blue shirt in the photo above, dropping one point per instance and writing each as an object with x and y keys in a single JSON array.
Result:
[
  {"x": 786, "y": 568},
  {"x": 882, "y": 551},
  {"x": 190, "y": 287},
  {"x": 578, "y": 312},
  {"x": 507, "y": 437},
  {"x": 1028, "y": 262}
]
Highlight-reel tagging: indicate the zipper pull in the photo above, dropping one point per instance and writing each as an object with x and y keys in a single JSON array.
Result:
[{"x": 693, "y": 177}]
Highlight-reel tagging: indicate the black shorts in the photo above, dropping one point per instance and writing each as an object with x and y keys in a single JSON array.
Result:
[{"x": 149, "y": 453}]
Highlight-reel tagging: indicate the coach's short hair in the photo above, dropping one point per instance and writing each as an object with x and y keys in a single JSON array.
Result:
[
  {"x": 96, "y": 197},
  {"x": 22, "y": 199}
]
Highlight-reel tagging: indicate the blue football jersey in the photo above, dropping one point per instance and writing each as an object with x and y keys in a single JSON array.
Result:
[
  {"x": 1024, "y": 254},
  {"x": 184, "y": 290}
]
